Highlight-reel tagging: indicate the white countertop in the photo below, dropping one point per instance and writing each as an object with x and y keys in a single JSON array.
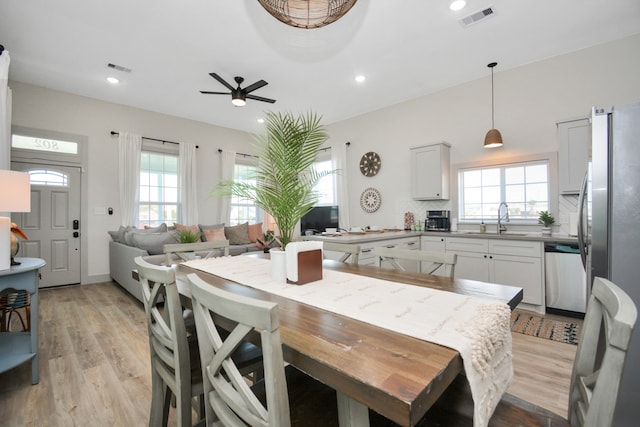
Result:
[{"x": 387, "y": 235}]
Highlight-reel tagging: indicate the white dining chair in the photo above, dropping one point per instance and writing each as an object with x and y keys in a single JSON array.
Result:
[
  {"x": 349, "y": 251},
  {"x": 595, "y": 380},
  {"x": 172, "y": 359},
  {"x": 189, "y": 251},
  {"x": 285, "y": 396},
  {"x": 442, "y": 263}
]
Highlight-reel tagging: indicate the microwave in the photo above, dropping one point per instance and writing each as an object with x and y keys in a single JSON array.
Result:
[{"x": 437, "y": 221}]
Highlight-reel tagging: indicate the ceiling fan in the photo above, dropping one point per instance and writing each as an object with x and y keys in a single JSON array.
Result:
[{"x": 239, "y": 95}]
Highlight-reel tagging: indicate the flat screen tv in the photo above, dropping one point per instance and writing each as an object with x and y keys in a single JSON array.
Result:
[{"x": 319, "y": 219}]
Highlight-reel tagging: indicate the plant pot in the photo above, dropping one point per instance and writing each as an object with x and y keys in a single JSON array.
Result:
[
  {"x": 278, "y": 265},
  {"x": 546, "y": 231}
]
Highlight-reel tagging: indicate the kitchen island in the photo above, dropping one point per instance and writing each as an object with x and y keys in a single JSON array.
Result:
[{"x": 510, "y": 258}]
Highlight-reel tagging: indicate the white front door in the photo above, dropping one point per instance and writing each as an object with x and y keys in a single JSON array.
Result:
[{"x": 53, "y": 225}]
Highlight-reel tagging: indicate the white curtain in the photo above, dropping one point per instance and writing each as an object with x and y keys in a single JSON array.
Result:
[
  {"x": 227, "y": 164},
  {"x": 339, "y": 162},
  {"x": 188, "y": 181},
  {"x": 5, "y": 112},
  {"x": 129, "y": 149}
]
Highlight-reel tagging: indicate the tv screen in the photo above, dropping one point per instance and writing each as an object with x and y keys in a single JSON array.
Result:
[{"x": 319, "y": 219}]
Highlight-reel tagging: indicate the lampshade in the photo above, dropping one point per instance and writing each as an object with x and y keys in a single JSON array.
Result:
[
  {"x": 307, "y": 13},
  {"x": 493, "y": 138},
  {"x": 15, "y": 191},
  {"x": 15, "y": 196}
]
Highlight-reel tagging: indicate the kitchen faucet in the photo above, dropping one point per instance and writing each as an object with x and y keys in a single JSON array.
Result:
[{"x": 501, "y": 226}]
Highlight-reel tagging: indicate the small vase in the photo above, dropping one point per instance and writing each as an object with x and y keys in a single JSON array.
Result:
[
  {"x": 278, "y": 265},
  {"x": 546, "y": 231}
]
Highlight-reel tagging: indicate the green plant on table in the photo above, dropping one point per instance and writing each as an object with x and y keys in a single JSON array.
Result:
[
  {"x": 187, "y": 236},
  {"x": 285, "y": 177},
  {"x": 546, "y": 219}
]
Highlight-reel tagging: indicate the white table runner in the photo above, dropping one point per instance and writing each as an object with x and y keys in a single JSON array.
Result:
[{"x": 478, "y": 329}]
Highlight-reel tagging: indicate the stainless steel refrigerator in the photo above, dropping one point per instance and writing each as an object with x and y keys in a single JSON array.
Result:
[{"x": 610, "y": 226}]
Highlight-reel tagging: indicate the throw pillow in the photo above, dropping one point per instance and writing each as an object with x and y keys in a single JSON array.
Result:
[
  {"x": 255, "y": 232},
  {"x": 210, "y": 227},
  {"x": 238, "y": 234},
  {"x": 128, "y": 235},
  {"x": 213, "y": 234},
  {"x": 192, "y": 228},
  {"x": 153, "y": 243},
  {"x": 114, "y": 235}
]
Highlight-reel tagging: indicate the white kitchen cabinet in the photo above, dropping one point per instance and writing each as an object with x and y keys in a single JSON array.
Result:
[
  {"x": 505, "y": 262},
  {"x": 573, "y": 154},
  {"x": 430, "y": 170}
]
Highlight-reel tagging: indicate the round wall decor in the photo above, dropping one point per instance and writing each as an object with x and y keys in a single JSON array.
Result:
[
  {"x": 370, "y": 200},
  {"x": 370, "y": 164}
]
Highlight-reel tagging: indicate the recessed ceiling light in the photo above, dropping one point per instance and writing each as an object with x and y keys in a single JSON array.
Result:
[
  {"x": 260, "y": 120},
  {"x": 113, "y": 80},
  {"x": 457, "y": 5},
  {"x": 360, "y": 78}
]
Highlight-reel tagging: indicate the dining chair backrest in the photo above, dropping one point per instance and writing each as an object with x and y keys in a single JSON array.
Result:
[
  {"x": 228, "y": 398},
  {"x": 168, "y": 343},
  {"x": 349, "y": 251},
  {"x": 599, "y": 362},
  {"x": 187, "y": 251},
  {"x": 442, "y": 263}
]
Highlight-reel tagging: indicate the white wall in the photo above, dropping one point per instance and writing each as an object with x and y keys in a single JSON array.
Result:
[
  {"x": 528, "y": 102},
  {"x": 40, "y": 108}
]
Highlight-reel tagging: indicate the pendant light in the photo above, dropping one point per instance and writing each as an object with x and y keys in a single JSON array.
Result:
[{"x": 493, "y": 138}]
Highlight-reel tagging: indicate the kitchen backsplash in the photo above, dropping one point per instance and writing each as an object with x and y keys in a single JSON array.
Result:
[{"x": 567, "y": 204}]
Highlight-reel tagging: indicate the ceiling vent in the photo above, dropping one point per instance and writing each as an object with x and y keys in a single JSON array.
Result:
[
  {"x": 477, "y": 16},
  {"x": 119, "y": 68}
]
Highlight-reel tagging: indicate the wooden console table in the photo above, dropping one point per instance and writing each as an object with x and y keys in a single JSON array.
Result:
[{"x": 17, "y": 348}]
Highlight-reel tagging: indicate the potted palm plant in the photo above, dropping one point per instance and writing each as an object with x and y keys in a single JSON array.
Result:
[
  {"x": 284, "y": 176},
  {"x": 547, "y": 220}
]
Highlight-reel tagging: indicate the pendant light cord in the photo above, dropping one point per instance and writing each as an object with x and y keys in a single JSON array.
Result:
[{"x": 491, "y": 65}]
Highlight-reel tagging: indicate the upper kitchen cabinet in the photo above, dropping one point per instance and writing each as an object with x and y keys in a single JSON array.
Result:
[
  {"x": 573, "y": 156},
  {"x": 430, "y": 170}
]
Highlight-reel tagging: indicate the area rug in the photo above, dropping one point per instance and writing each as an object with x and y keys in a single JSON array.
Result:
[{"x": 537, "y": 326}]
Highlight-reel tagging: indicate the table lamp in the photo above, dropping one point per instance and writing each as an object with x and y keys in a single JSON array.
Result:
[{"x": 15, "y": 196}]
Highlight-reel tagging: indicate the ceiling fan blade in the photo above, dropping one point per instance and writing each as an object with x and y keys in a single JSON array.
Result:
[
  {"x": 215, "y": 93},
  {"x": 221, "y": 80},
  {"x": 259, "y": 98},
  {"x": 256, "y": 85}
]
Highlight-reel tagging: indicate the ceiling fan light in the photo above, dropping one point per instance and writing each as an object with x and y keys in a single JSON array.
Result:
[
  {"x": 238, "y": 101},
  {"x": 493, "y": 139}
]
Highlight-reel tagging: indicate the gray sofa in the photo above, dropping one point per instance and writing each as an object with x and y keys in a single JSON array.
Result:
[{"x": 147, "y": 244}]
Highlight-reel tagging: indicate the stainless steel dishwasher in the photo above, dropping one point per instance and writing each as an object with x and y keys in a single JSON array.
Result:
[{"x": 566, "y": 280}]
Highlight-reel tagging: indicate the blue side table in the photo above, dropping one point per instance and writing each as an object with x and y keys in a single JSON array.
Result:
[{"x": 17, "y": 348}]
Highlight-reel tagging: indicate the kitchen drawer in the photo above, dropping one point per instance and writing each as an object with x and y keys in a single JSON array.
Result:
[
  {"x": 466, "y": 244},
  {"x": 404, "y": 243},
  {"x": 516, "y": 247}
]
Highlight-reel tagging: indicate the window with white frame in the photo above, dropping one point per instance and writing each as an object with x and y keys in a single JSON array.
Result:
[
  {"x": 159, "y": 194},
  {"x": 326, "y": 186},
  {"x": 244, "y": 210},
  {"x": 523, "y": 186}
]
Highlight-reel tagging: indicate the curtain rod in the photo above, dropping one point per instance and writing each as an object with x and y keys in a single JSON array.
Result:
[
  {"x": 239, "y": 154},
  {"x": 153, "y": 139}
]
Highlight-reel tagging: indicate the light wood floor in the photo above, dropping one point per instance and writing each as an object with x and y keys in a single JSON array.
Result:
[{"x": 94, "y": 364}]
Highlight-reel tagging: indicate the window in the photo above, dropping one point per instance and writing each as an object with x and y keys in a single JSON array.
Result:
[
  {"x": 326, "y": 186},
  {"x": 159, "y": 198},
  {"x": 244, "y": 210},
  {"x": 523, "y": 186},
  {"x": 48, "y": 177}
]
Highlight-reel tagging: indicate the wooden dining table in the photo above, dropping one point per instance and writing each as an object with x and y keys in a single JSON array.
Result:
[{"x": 395, "y": 375}]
